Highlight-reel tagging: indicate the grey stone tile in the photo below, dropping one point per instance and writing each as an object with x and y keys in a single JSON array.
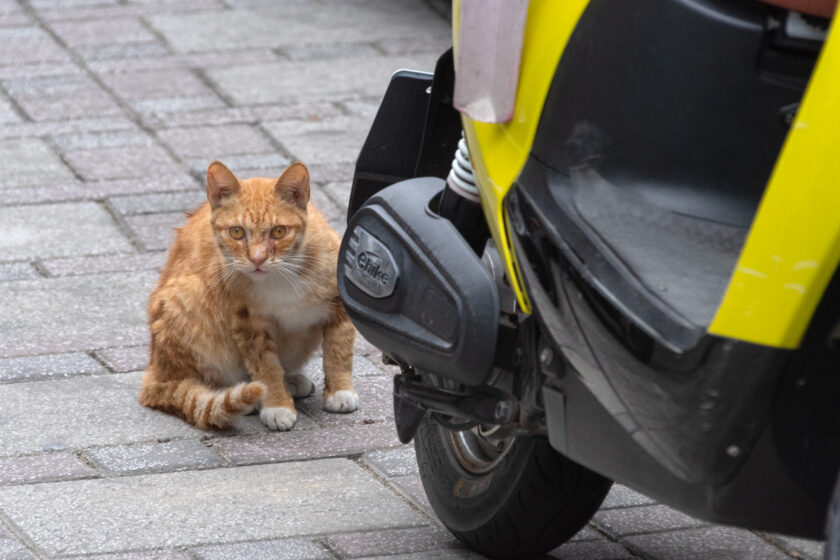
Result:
[
  {"x": 329, "y": 141},
  {"x": 53, "y": 128},
  {"x": 96, "y": 190},
  {"x": 331, "y": 172},
  {"x": 104, "y": 411},
  {"x": 156, "y": 84},
  {"x": 447, "y": 554},
  {"x": 702, "y": 544},
  {"x": 165, "y": 554},
  {"x": 46, "y": 467},
  {"x": 156, "y": 231},
  {"x": 7, "y": 113},
  {"x": 376, "y": 403},
  {"x": 17, "y": 271},
  {"x": 411, "y": 45},
  {"x": 107, "y": 139},
  {"x": 29, "y": 161},
  {"x": 586, "y": 534},
  {"x": 621, "y": 496},
  {"x": 362, "y": 107},
  {"x": 327, "y": 50},
  {"x": 290, "y": 81},
  {"x": 121, "y": 163},
  {"x": 208, "y": 141},
  {"x": 266, "y": 502},
  {"x": 392, "y": 541},
  {"x": 306, "y": 444},
  {"x": 52, "y": 315},
  {"x": 30, "y": 368},
  {"x": 643, "y": 519},
  {"x": 167, "y": 456},
  {"x": 340, "y": 22},
  {"x": 339, "y": 192},
  {"x": 181, "y": 201},
  {"x": 99, "y": 32},
  {"x": 600, "y": 549},
  {"x": 299, "y": 549},
  {"x": 411, "y": 487},
  {"x": 392, "y": 462},
  {"x": 62, "y": 97},
  {"x": 59, "y": 230},
  {"x": 13, "y": 550},
  {"x": 244, "y": 165},
  {"x": 28, "y": 44},
  {"x": 122, "y": 360},
  {"x": 250, "y": 115},
  {"x": 217, "y": 59},
  {"x": 122, "y": 51},
  {"x": 79, "y": 266}
]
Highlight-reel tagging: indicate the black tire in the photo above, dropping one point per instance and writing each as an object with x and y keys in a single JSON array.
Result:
[
  {"x": 832, "y": 526},
  {"x": 530, "y": 502}
]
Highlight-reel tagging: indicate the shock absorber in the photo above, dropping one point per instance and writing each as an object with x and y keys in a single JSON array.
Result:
[{"x": 460, "y": 203}]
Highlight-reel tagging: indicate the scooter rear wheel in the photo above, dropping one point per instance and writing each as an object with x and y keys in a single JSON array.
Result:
[{"x": 522, "y": 500}]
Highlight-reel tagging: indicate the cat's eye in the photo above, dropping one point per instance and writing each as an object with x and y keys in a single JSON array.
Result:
[
  {"x": 236, "y": 232},
  {"x": 279, "y": 232}
]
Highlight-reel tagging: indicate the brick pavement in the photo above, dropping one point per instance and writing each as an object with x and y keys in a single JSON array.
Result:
[{"x": 110, "y": 110}]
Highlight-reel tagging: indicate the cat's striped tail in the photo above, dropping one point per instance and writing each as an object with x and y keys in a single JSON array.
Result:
[{"x": 198, "y": 404}]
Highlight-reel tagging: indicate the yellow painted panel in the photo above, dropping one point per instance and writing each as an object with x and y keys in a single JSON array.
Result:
[
  {"x": 499, "y": 151},
  {"x": 793, "y": 247}
]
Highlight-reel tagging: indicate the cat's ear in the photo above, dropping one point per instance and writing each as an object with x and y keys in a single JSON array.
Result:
[
  {"x": 221, "y": 184},
  {"x": 293, "y": 185}
]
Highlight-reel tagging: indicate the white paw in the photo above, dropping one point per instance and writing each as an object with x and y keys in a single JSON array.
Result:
[
  {"x": 278, "y": 417},
  {"x": 342, "y": 401},
  {"x": 299, "y": 385}
]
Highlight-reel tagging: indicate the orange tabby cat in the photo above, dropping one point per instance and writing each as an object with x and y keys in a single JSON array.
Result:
[{"x": 247, "y": 294}]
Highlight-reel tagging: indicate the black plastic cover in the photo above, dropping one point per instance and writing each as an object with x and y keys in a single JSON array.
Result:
[{"x": 414, "y": 288}]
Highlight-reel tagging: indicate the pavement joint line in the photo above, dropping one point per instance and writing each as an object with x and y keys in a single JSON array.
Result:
[
  {"x": 357, "y": 459},
  {"x": 39, "y": 268},
  {"x": 204, "y": 79},
  {"x": 275, "y": 143},
  {"x": 95, "y": 355},
  {"x": 141, "y": 19},
  {"x": 123, "y": 227},
  {"x": 776, "y": 544},
  {"x": 21, "y": 537},
  {"x": 16, "y": 107}
]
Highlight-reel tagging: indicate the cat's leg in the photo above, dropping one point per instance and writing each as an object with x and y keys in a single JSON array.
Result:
[
  {"x": 260, "y": 354},
  {"x": 339, "y": 334}
]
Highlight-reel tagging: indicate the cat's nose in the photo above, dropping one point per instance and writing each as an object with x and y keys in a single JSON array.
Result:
[{"x": 257, "y": 258}]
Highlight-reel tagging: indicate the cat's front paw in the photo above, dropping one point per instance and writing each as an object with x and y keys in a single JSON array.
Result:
[
  {"x": 278, "y": 417},
  {"x": 299, "y": 385},
  {"x": 342, "y": 401}
]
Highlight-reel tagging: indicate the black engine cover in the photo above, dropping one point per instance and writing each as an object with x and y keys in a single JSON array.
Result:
[{"x": 414, "y": 288}]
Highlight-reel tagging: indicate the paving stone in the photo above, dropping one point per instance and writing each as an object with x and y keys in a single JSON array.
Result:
[
  {"x": 376, "y": 403},
  {"x": 339, "y": 192},
  {"x": 289, "y": 81},
  {"x": 182, "y": 201},
  {"x": 104, "y": 411},
  {"x": 392, "y": 541},
  {"x": 13, "y": 550},
  {"x": 167, "y": 456},
  {"x": 244, "y": 165},
  {"x": 157, "y": 84},
  {"x": 621, "y": 496},
  {"x": 166, "y": 554},
  {"x": 30, "y": 161},
  {"x": 204, "y": 141},
  {"x": 61, "y": 97},
  {"x": 58, "y": 230},
  {"x": 412, "y": 488},
  {"x": 392, "y": 462},
  {"x": 360, "y": 22},
  {"x": 306, "y": 444},
  {"x": 586, "y": 534},
  {"x": 97, "y": 140},
  {"x": 600, "y": 549},
  {"x": 79, "y": 266},
  {"x": 326, "y": 50},
  {"x": 702, "y": 544},
  {"x": 52, "y": 315},
  {"x": 102, "y": 32},
  {"x": 28, "y": 129},
  {"x": 97, "y": 190},
  {"x": 121, "y": 360},
  {"x": 412, "y": 45},
  {"x": 331, "y": 172},
  {"x": 28, "y": 44},
  {"x": 218, "y": 59},
  {"x": 42, "y": 69},
  {"x": 17, "y": 271},
  {"x": 447, "y": 554},
  {"x": 362, "y": 107},
  {"x": 330, "y": 141},
  {"x": 121, "y": 163},
  {"x": 156, "y": 231},
  {"x": 46, "y": 467},
  {"x": 31, "y": 368},
  {"x": 299, "y": 549},
  {"x": 644, "y": 519},
  {"x": 264, "y": 501},
  {"x": 7, "y": 112},
  {"x": 361, "y": 347},
  {"x": 122, "y": 51},
  {"x": 250, "y": 115}
]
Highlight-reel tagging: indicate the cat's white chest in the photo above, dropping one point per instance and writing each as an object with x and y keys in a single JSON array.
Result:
[{"x": 275, "y": 298}]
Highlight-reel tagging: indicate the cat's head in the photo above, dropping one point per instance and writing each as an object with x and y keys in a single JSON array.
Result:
[{"x": 259, "y": 223}]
